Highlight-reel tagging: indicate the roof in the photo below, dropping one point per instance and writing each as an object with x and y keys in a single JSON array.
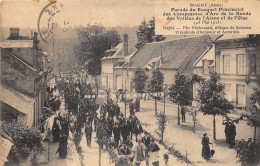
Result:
[
  {"x": 19, "y": 101},
  {"x": 209, "y": 54},
  {"x": 120, "y": 52},
  {"x": 4, "y": 51},
  {"x": 16, "y": 44},
  {"x": 177, "y": 54}
]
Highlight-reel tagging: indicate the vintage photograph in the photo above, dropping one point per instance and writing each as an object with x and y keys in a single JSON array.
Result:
[{"x": 91, "y": 83}]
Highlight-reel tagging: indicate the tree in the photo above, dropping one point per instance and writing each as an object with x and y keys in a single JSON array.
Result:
[
  {"x": 146, "y": 33},
  {"x": 179, "y": 93},
  {"x": 95, "y": 40},
  {"x": 155, "y": 85},
  {"x": 162, "y": 120},
  {"x": 248, "y": 152},
  {"x": 253, "y": 119},
  {"x": 25, "y": 141},
  {"x": 212, "y": 100},
  {"x": 139, "y": 80}
]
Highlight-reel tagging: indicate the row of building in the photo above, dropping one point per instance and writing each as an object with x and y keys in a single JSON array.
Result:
[
  {"x": 236, "y": 59},
  {"x": 23, "y": 78}
]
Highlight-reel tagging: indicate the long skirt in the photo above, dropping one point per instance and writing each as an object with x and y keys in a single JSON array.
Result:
[
  {"x": 206, "y": 151},
  {"x": 63, "y": 148}
]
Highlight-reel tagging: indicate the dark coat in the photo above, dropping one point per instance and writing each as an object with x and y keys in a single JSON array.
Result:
[
  {"x": 138, "y": 129},
  {"x": 232, "y": 130},
  {"x": 124, "y": 131},
  {"x": 116, "y": 132},
  {"x": 146, "y": 141},
  {"x": 205, "y": 148}
]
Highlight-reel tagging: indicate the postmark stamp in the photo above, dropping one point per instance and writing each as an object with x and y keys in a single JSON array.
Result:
[{"x": 51, "y": 18}]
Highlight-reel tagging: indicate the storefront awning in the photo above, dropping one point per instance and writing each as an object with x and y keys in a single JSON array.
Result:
[{"x": 17, "y": 100}]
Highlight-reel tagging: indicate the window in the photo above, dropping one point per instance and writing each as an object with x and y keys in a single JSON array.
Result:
[
  {"x": 241, "y": 64},
  {"x": 227, "y": 88},
  {"x": 240, "y": 89},
  {"x": 226, "y": 64},
  {"x": 253, "y": 64}
]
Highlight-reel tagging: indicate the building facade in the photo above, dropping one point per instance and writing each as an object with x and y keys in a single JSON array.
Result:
[
  {"x": 23, "y": 79},
  {"x": 237, "y": 61},
  {"x": 168, "y": 56}
]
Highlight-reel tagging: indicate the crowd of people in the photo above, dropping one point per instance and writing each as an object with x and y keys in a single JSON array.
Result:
[{"x": 121, "y": 133}]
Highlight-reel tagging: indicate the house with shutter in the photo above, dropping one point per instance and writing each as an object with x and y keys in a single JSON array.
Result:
[
  {"x": 237, "y": 60},
  {"x": 23, "y": 79}
]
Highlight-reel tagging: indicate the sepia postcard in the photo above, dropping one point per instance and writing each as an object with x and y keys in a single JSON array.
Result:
[{"x": 130, "y": 82}]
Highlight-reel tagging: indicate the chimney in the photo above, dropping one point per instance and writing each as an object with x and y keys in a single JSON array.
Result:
[
  {"x": 125, "y": 42},
  {"x": 14, "y": 33},
  {"x": 35, "y": 50},
  {"x": 161, "y": 58}
]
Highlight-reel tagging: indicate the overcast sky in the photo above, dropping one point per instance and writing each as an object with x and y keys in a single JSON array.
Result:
[{"x": 79, "y": 12}]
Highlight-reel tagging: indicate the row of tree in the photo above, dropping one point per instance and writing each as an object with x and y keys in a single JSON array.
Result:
[{"x": 211, "y": 95}]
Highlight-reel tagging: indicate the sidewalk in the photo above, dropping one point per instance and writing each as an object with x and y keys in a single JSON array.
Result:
[{"x": 184, "y": 139}]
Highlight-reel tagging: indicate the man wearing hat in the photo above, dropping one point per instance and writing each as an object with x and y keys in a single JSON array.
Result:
[{"x": 116, "y": 132}]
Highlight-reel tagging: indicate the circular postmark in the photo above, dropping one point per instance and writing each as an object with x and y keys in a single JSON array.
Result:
[{"x": 50, "y": 19}]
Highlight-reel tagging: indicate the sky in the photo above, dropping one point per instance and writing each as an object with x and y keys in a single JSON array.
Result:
[{"x": 110, "y": 13}]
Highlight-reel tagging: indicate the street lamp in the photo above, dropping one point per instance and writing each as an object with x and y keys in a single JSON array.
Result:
[{"x": 164, "y": 95}]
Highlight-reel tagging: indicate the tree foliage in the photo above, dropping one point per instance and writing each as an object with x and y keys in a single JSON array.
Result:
[
  {"x": 253, "y": 118},
  {"x": 25, "y": 141},
  {"x": 155, "y": 82},
  {"x": 95, "y": 40},
  {"x": 161, "y": 121},
  {"x": 146, "y": 33},
  {"x": 139, "y": 80},
  {"x": 248, "y": 152},
  {"x": 179, "y": 93},
  {"x": 212, "y": 98}
]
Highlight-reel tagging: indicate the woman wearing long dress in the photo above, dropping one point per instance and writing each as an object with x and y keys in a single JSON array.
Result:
[{"x": 205, "y": 147}]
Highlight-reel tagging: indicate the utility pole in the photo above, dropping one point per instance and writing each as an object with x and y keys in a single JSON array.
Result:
[{"x": 164, "y": 99}]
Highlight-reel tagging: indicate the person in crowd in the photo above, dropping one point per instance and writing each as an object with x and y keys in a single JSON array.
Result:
[
  {"x": 232, "y": 134},
  {"x": 129, "y": 142},
  {"x": 124, "y": 149},
  {"x": 166, "y": 158},
  {"x": 138, "y": 129},
  {"x": 116, "y": 132},
  {"x": 183, "y": 112},
  {"x": 153, "y": 150},
  {"x": 62, "y": 149},
  {"x": 139, "y": 151},
  {"x": 227, "y": 126},
  {"x": 56, "y": 129},
  {"x": 146, "y": 139},
  {"x": 137, "y": 104},
  {"x": 110, "y": 124},
  {"x": 124, "y": 130},
  {"x": 131, "y": 108},
  {"x": 117, "y": 110},
  {"x": 132, "y": 120},
  {"x": 205, "y": 147},
  {"x": 88, "y": 132}
]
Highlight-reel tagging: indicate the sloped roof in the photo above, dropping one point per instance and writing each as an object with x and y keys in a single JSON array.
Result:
[
  {"x": 120, "y": 52},
  {"x": 4, "y": 51},
  {"x": 177, "y": 54},
  {"x": 19, "y": 101}
]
